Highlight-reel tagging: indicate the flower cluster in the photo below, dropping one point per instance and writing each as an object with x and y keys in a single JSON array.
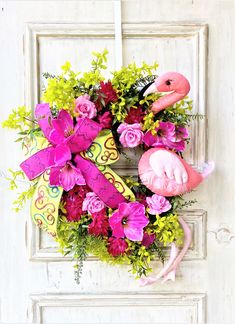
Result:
[{"x": 77, "y": 109}]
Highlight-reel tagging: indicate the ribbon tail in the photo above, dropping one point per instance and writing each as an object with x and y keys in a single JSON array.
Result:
[
  {"x": 45, "y": 205},
  {"x": 36, "y": 164},
  {"x": 98, "y": 183}
]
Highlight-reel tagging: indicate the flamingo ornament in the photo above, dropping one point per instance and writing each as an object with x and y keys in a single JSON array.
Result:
[
  {"x": 166, "y": 173},
  {"x": 161, "y": 170},
  {"x": 172, "y": 82}
]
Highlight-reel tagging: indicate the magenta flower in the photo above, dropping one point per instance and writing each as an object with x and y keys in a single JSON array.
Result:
[
  {"x": 84, "y": 107},
  {"x": 117, "y": 246},
  {"x": 131, "y": 134},
  {"x": 64, "y": 132},
  {"x": 168, "y": 135},
  {"x": 148, "y": 239},
  {"x": 129, "y": 221},
  {"x": 181, "y": 133},
  {"x": 105, "y": 120},
  {"x": 99, "y": 225},
  {"x": 92, "y": 203},
  {"x": 66, "y": 176},
  {"x": 158, "y": 204},
  {"x": 73, "y": 200}
]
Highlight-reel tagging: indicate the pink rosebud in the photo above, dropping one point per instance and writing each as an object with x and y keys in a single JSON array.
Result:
[
  {"x": 131, "y": 134},
  {"x": 92, "y": 203},
  {"x": 117, "y": 246},
  {"x": 158, "y": 204},
  {"x": 84, "y": 107}
]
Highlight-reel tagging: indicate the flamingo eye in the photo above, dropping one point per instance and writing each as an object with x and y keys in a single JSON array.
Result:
[{"x": 168, "y": 82}]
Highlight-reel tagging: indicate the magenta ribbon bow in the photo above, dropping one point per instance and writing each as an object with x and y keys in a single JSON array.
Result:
[{"x": 65, "y": 140}]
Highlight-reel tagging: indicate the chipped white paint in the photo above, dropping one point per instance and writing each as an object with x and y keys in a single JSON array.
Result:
[{"x": 175, "y": 33}]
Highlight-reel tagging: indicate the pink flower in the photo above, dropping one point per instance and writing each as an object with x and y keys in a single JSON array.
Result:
[
  {"x": 73, "y": 200},
  {"x": 110, "y": 94},
  {"x": 84, "y": 107},
  {"x": 135, "y": 115},
  {"x": 168, "y": 135},
  {"x": 131, "y": 134},
  {"x": 92, "y": 203},
  {"x": 165, "y": 132},
  {"x": 158, "y": 204},
  {"x": 117, "y": 246},
  {"x": 148, "y": 239},
  {"x": 100, "y": 224},
  {"x": 129, "y": 221},
  {"x": 67, "y": 176},
  {"x": 181, "y": 133},
  {"x": 105, "y": 120}
]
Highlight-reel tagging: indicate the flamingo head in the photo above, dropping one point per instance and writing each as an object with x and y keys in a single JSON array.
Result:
[{"x": 168, "y": 82}]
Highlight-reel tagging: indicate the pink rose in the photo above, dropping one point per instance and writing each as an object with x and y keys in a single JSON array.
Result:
[
  {"x": 131, "y": 134},
  {"x": 84, "y": 107},
  {"x": 158, "y": 204},
  {"x": 92, "y": 203}
]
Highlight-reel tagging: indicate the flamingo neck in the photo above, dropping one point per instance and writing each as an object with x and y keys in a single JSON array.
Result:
[{"x": 166, "y": 101}]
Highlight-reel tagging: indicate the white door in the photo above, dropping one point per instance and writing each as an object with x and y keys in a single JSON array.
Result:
[{"x": 195, "y": 37}]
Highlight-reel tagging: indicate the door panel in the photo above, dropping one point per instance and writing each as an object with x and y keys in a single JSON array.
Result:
[{"x": 192, "y": 36}]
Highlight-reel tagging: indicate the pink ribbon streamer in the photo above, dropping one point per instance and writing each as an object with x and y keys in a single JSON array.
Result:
[
  {"x": 169, "y": 270},
  {"x": 99, "y": 183}
]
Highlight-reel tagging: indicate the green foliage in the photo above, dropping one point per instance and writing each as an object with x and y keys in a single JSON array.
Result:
[
  {"x": 179, "y": 113},
  {"x": 150, "y": 123},
  {"x": 124, "y": 81},
  {"x": 23, "y": 197},
  {"x": 15, "y": 176},
  {"x": 140, "y": 258},
  {"x": 19, "y": 119},
  {"x": 74, "y": 240},
  {"x": 168, "y": 229},
  {"x": 178, "y": 203},
  {"x": 94, "y": 76},
  {"x": 60, "y": 91}
]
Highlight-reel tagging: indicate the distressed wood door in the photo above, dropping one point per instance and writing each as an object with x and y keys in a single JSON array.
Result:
[{"x": 195, "y": 37}]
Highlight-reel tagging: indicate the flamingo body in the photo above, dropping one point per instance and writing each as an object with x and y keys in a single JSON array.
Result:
[{"x": 167, "y": 174}]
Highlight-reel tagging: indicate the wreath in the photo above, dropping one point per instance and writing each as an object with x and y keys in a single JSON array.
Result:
[{"x": 71, "y": 146}]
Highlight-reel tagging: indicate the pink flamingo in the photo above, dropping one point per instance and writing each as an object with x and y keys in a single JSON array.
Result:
[
  {"x": 172, "y": 82},
  {"x": 161, "y": 170},
  {"x": 166, "y": 173}
]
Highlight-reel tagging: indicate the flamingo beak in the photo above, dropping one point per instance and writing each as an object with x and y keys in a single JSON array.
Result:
[{"x": 151, "y": 89}]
